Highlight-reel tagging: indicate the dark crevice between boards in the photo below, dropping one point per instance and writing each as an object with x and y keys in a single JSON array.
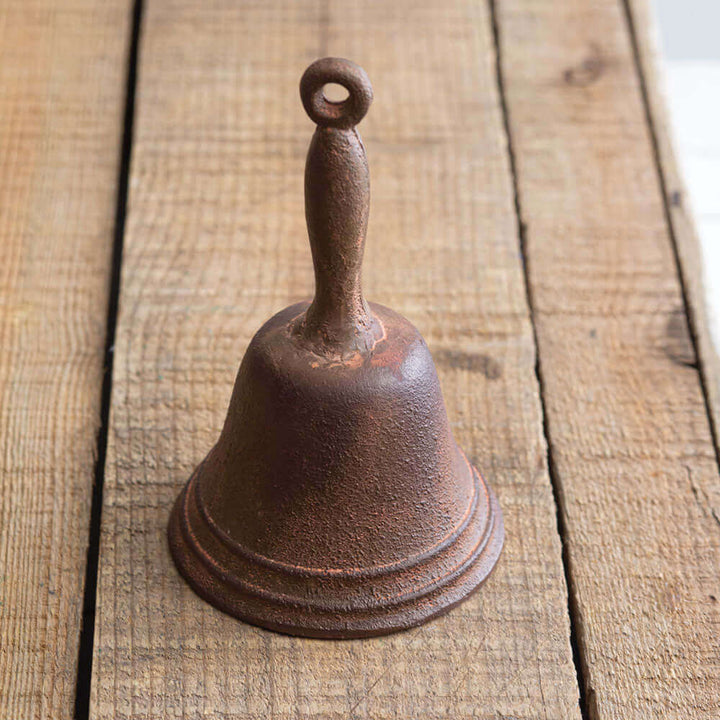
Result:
[
  {"x": 585, "y": 693},
  {"x": 87, "y": 628},
  {"x": 667, "y": 199}
]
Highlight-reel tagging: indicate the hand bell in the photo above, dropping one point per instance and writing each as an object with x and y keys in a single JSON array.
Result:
[{"x": 336, "y": 502}]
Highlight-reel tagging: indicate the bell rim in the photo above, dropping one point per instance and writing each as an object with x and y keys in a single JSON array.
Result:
[{"x": 292, "y": 616}]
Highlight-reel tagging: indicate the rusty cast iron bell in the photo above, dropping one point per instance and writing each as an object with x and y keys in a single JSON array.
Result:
[{"x": 336, "y": 502}]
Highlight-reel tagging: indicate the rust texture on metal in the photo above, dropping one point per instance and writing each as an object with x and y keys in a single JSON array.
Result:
[{"x": 336, "y": 502}]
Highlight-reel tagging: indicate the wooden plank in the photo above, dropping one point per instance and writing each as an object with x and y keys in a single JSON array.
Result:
[
  {"x": 628, "y": 429},
  {"x": 677, "y": 206},
  {"x": 62, "y": 68},
  {"x": 216, "y": 243}
]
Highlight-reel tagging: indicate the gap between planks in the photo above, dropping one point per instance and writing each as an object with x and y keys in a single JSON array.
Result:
[
  {"x": 87, "y": 628},
  {"x": 578, "y": 659}
]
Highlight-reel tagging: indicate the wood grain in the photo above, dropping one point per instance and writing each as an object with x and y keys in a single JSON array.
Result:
[
  {"x": 215, "y": 244},
  {"x": 679, "y": 212},
  {"x": 62, "y": 79},
  {"x": 628, "y": 429}
]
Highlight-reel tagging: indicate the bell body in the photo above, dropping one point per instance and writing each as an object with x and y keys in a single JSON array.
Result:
[{"x": 336, "y": 502}]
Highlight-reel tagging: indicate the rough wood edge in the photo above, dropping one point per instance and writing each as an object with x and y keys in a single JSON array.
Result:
[{"x": 681, "y": 222}]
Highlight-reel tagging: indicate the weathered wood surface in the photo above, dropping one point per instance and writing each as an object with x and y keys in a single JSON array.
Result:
[
  {"x": 677, "y": 205},
  {"x": 62, "y": 79},
  {"x": 215, "y": 244},
  {"x": 628, "y": 430}
]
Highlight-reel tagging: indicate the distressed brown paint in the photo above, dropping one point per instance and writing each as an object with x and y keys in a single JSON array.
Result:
[{"x": 336, "y": 502}]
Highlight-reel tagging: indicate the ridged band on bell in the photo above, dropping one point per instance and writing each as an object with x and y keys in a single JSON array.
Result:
[{"x": 336, "y": 502}]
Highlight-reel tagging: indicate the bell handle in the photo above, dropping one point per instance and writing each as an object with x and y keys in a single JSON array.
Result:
[{"x": 337, "y": 203}]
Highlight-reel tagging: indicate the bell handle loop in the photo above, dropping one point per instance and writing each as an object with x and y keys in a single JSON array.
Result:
[
  {"x": 326, "y": 113},
  {"x": 337, "y": 203}
]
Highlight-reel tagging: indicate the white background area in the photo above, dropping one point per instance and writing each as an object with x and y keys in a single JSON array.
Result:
[{"x": 690, "y": 50}]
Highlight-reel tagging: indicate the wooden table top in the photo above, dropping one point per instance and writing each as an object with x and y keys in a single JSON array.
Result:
[{"x": 527, "y": 216}]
